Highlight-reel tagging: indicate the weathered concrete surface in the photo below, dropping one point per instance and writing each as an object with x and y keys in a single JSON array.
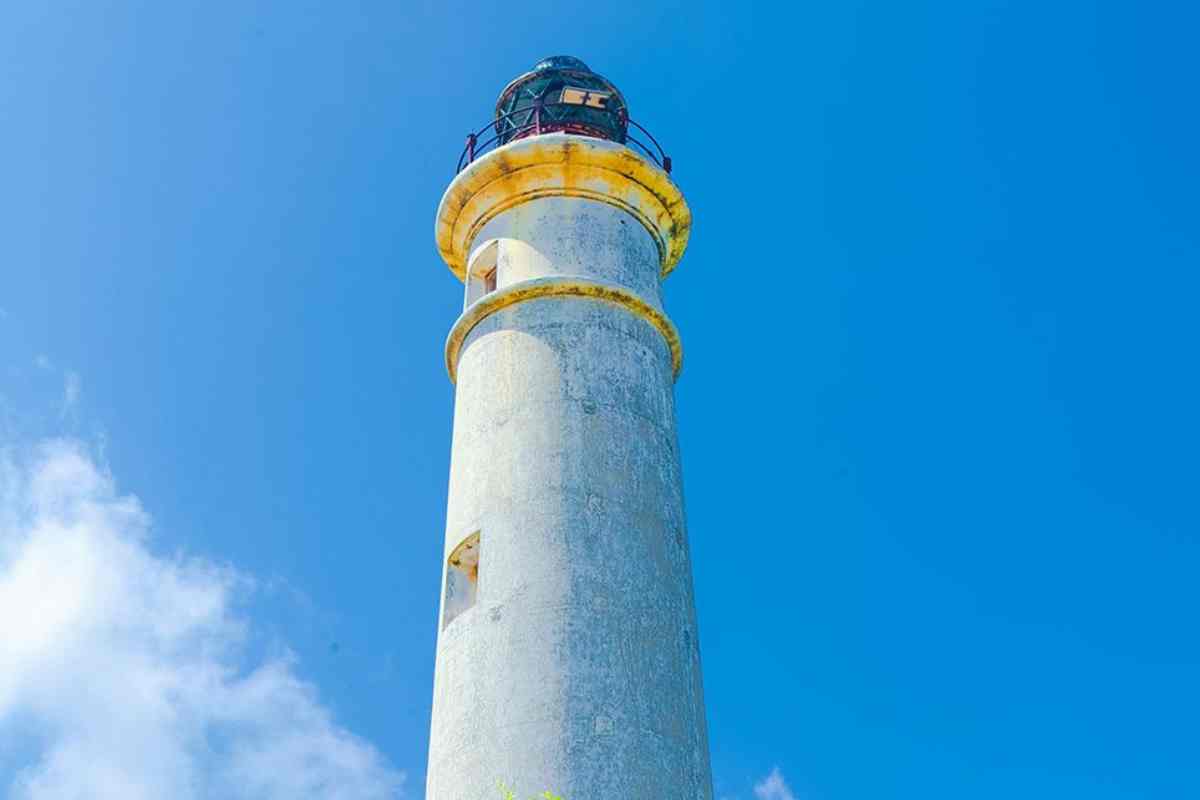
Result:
[
  {"x": 561, "y": 165},
  {"x": 567, "y": 286},
  {"x": 577, "y": 669}
]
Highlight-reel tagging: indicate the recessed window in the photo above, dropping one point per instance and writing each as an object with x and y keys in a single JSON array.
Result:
[
  {"x": 462, "y": 579},
  {"x": 585, "y": 97},
  {"x": 483, "y": 271}
]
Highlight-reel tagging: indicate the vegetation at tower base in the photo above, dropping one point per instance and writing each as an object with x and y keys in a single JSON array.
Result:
[{"x": 508, "y": 794}]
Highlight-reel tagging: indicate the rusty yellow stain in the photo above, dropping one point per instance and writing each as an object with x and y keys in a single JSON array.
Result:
[
  {"x": 562, "y": 165},
  {"x": 560, "y": 287}
]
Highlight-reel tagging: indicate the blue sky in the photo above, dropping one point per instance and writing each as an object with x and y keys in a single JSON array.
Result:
[{"x": 938, "y": 412}]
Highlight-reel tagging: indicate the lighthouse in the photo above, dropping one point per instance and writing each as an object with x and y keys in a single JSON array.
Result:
[{"x": 567, "y": 652}]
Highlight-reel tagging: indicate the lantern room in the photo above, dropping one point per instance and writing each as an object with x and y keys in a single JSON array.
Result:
[{"x": 562, "y": 94}]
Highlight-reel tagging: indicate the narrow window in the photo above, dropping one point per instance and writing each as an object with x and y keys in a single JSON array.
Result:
[
  {"x": 462, "y": 579},
  {"x": 482, "y": 271},
  {"x": 585, "y": 97}
]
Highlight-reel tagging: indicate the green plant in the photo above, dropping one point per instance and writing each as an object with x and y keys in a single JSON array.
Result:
[{"x": 509, "y": 794}]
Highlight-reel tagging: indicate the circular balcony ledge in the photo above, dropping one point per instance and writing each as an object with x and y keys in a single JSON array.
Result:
[
  {"x": 586, "y": 288},
  {"x": 561, "y": 165}
]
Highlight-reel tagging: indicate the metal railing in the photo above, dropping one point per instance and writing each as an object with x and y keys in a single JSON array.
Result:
[{"x": 535, "y": 125}]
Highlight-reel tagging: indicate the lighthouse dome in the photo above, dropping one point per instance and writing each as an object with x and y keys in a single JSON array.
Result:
[{"x": 561, "y": 62}]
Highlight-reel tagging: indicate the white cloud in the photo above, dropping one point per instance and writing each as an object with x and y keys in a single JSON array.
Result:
[
  {"x": 773, "y": 787},
  {"x": 72, "y": 386},
  {"x": 122, "y": 672}
]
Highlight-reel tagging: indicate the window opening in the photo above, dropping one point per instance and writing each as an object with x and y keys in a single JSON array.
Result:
[
  {"x": 462, "y": 579},
  {"x": 483, "y": 271}
]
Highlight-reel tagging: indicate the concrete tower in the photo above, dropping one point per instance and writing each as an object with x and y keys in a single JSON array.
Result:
[{"x": 567, "y": 656}]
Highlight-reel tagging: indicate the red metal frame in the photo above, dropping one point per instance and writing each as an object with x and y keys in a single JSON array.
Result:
[{"x": 474, "y": 147}]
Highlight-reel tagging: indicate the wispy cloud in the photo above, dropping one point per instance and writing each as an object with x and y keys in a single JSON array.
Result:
[
  {"x": 773, "y": 787},
  {"x": 72, "y": 386},
  {"x": 124, "y": 674}
]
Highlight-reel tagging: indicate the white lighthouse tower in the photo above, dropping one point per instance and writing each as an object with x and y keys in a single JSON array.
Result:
[{"x": 567, "y": 655}]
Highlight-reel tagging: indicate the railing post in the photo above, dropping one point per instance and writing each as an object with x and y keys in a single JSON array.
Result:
[{"x": 515, "y": 131}]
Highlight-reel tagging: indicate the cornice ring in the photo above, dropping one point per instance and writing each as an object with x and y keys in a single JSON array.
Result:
[
  {"x": 566, "y": 165},
  {"x": 560, "y": 287}
]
